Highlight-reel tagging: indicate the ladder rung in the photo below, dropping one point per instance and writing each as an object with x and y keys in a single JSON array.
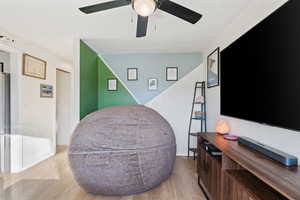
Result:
[
  {"x": 198, "y": 118},
  {"x": 193, "y": 149},
  {"x": 195, "y": 134},
  {"x": 199, "y": 103}
]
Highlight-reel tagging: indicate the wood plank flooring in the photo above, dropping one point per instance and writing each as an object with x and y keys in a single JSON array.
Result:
[{"x": 53, "y": 180}]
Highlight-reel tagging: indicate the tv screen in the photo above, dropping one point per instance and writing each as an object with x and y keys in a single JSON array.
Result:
[{"x": 260, "y": 72}]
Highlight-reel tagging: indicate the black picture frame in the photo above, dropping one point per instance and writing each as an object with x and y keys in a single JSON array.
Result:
[
  {"x": 217, "y": 83},
  {"x": 1, "y": 67},
  {"x": 167, "y": 73},
  {"x": 108, "y": 84},
  {"x": 136, "y": 71}
]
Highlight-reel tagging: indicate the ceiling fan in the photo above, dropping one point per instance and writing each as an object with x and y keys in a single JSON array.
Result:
[{"x": 145, "y": 8}]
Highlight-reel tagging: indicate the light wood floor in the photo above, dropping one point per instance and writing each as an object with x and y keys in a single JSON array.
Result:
[{"x": 52, "y": 179}]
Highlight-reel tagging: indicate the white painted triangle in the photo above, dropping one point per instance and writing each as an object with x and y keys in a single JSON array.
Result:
[{"x": 175, "y": 105}]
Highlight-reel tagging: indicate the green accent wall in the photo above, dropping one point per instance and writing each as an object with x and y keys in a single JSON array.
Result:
[
  {"x": 111, "y": 98},
  {"x": 93, "y": 84},
  {"x": 88, "y": 80}
]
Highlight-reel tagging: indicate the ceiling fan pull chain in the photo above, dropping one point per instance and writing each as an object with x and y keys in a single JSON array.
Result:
[{"x": 131, "y": 18}]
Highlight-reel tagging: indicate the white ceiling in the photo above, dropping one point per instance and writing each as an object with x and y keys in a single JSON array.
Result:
[{"x": 54, "y": 24}]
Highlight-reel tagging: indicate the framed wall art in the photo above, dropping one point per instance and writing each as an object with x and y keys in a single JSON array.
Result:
[
  {"x": 152, "y": 84},
  {"x": 213, "y": 68},
  {"x": 172, "y": 73},
  {"x": 132, "y": 74},
  {"x": 112, "y": 84},
  {"x": 34, "y": 67},
  {"x": 46, "y": 91}
]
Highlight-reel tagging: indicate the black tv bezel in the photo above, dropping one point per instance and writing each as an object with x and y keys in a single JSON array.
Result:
[{"x": 235, "y": 117}]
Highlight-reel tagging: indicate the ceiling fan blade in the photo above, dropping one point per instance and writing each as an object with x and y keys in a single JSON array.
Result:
[
  {"x": 104, "y": 6},
  {"x": 142, "y": 24},
  {"x": 179, "y": 11}
]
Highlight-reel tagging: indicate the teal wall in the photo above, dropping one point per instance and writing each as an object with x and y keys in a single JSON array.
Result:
[
  {"x": 151, "y": 65},
  {"x": 88, "y": 80},
  {"x": 93, "y": 84}
]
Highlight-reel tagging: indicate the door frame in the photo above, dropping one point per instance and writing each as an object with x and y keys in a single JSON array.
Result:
[
  {"x": 13, "y": 142},
  {"x": 70, "y": 105}
]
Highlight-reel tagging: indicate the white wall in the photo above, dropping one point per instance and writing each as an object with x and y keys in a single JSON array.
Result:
[
  {"x": 282, "y": 139},
  {"x": 175, "y": 105},
  {"x": 38, "y": 117},
  {"x": 33, "y": 116},
  {"x": 63, "y": 108}
]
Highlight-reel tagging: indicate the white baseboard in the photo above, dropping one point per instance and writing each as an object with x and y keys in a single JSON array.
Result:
[
  {"x": 182, "y": 154},
  {"x": 33, "y": 163},
  {"x": 38, "y": 161}
]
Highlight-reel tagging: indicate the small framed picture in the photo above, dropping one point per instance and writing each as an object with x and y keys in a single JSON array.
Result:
[
  {"x": 132, "y": 74},
  {"x": 46, "y": 91},
  {"x": 213, "y": 68},
  {"x": 152, "y": 84},
  {"x": 112, "y": 84},
  {"x": 172, "y": 73}
]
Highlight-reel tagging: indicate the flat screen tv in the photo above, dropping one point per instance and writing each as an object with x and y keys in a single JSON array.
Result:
[{"x": 260, "y": 71}]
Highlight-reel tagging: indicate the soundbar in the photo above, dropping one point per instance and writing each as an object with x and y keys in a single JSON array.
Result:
[{"x": 275, "y": 154}]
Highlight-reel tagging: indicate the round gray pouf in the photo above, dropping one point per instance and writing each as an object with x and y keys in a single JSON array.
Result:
[{"x": 122, "y": 150}]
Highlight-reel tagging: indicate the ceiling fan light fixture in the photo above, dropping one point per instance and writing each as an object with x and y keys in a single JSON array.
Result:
[{"x": 144, "y": 8}]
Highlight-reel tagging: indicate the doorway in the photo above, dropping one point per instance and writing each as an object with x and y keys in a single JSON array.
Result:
[{"x": 63, "y": 107}]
